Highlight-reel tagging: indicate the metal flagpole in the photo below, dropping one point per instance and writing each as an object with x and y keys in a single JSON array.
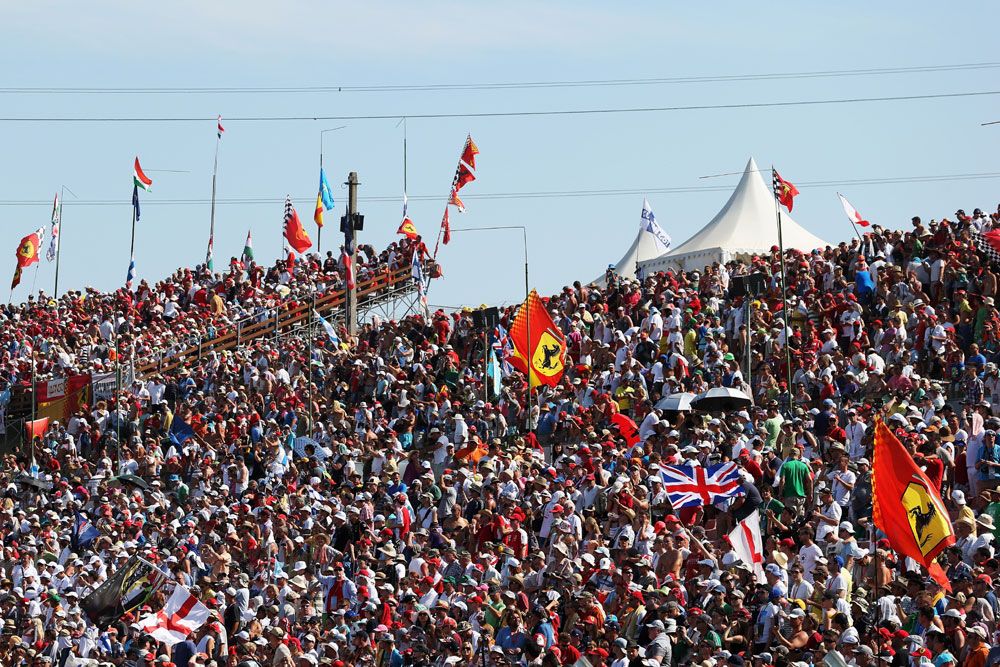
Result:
[
  {"x": 784, "y": 299},
  {"x": 319, "y": 232},
  {"x": 209, "y": 259},
  {"x": 135, "y": 198}
]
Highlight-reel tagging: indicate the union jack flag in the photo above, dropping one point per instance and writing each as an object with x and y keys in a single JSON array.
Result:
[
  {"x": 503, "y": 347},
  {"x": 692, "y": 486}
]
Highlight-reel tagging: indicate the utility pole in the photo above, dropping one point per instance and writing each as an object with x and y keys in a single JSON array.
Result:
[{"x": 351, "y": 224}]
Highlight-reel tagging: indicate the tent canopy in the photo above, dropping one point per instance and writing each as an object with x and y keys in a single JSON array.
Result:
[{"x": 746, "y": 225}]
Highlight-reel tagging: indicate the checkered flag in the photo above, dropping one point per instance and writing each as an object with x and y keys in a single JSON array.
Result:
[
  {"x": 776, "y": 183},
  {"x": 988, "y": 244}
]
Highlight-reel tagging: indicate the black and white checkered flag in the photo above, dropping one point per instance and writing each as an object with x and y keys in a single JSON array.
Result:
[
  {"x": 776, "y": 181},
  {"x": 987, "y": 245}
]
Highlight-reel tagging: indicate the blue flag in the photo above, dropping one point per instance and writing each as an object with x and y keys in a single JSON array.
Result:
[
  {"x": 135, "y": 201},
  {"x": 324, "y": 190},
  {"x": 180, "y": 431}
]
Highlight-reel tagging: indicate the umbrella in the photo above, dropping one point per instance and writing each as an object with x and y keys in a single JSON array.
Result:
[
  {"x": 721, "y": 399},
  {"x": 300, "y": 447},
  {"x": 39, "y": 484},
  {"x": 679, "y": 402},
  {"x": 122, "y": 480}
]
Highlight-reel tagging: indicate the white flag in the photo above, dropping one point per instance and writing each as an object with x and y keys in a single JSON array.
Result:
[
  {"x": 852, "y": 212},
  {"x": 56, "y": 219},
  {"x": 663, "y": 241},
  {"x": 182, "y": 615},
  {"x": 748, "y": 545}
]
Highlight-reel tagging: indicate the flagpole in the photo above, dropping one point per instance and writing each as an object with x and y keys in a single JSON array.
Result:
[
  {"x": 209, "y": 259},
  {"x": 319, "y": 232},
  {"x": 784, "y": 303},
  {"x": 132, "y": 247}
]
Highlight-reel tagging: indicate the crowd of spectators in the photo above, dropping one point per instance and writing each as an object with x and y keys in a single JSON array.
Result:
[{"x": 376, "y": 504}]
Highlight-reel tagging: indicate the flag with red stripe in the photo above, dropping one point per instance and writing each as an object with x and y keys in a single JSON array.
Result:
[
  {"x": 693, "y": 486},
  {"x": 852, "y": 212},
  {"x": 181, "y": 615}
]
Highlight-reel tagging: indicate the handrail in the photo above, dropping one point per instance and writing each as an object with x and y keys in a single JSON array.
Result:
[{"x": 239, "y": 334}]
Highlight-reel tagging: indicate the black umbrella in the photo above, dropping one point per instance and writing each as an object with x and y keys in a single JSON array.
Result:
[
  {"x": 39, "y": 484},
  {"x": 121, "y": 480},
  {"x": 721, "y": 399}
]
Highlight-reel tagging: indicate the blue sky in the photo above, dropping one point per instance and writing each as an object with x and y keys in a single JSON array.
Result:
[{"x": 309, "y": 43}]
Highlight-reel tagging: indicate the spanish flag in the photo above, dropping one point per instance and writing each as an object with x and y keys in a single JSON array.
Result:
[
  {"x": 537, "y": 338},
  {"x": 907, "y": 507}
]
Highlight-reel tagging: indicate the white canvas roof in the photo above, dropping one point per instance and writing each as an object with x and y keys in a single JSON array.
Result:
[{"x": 746, "y": 225}]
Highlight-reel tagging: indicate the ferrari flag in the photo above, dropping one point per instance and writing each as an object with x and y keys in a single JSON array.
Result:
[
  {"x": 27, "y": 253},
  {"x": 907, "y": 507},
  {"x": 784, "y": 191},
  {"x": 539, "y": 345}
]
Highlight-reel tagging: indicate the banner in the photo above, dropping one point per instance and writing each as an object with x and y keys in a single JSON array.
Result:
[
  {"x": 124, "y": 591},
  {"x": 102, "y": 387},
  {"x": 61, "y": 397}
]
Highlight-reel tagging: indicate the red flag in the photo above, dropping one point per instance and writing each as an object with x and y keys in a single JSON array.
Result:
[
  {"x": 408, "y": 229},
  {"x": 784, "y": 191},
  {"x": 446, "y": 227},
  {"x": 37, "y": 428},
  {"x": 26, "y": 254},
  {"x": 295, "y": 232},
  {"x": 538, "y": 342},
  {"x": 463, "y": 176},
  {"x": 455, "y": 201},
  {"x": 348, "y": 269},
  {"x": 906, "y": 505},
  {"x": 469, "y": 152}
]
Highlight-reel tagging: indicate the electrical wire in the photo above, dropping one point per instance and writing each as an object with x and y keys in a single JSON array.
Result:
[
  {"x": 548, "y": 194},
  {"x": 496, "y": 114},
  {"x": 586, "y": 83}
]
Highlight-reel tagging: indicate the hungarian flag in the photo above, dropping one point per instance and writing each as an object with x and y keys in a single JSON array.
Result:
[
  {"x": 469, "y": 152},
  {"x": 248, "y": 246},
  {"x": 852, "y": 212},
  {"x": 219, "y": 130},
  {"x": 539, "y": 345},
  {"x": 295, "y": 233},
  {"x": 446, "y": 227},
  {"x": 907, "y": 507},
  {"x": 27, "y": 253},
  {"x": 181, "y": 615},
  {"x": 784, "y": 191},
  {"x": 140, "y": 179},
  {"x": 406, "y": 227},
  {"x": 455, "y": 201}
]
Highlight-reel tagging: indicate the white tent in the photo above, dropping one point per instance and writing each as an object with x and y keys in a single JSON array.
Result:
[
  {"x": 746, "y": 225},
  {"x": 644, "y": 247}
]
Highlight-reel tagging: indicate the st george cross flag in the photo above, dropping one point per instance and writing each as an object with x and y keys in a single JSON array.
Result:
[
  {"x": 748, "y": 545},
  {"x": 182, "y": 615},
  {"x": 649, "y": 224},
  {"x": 852, "y": 212},
  {"x": 693, "y": 486},
  {"x": 50, "y": 254}
]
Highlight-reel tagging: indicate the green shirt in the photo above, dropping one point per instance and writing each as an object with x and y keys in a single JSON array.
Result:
[
  {"x": 773, "y": 428},
  {"x": 794, "y": 474}
]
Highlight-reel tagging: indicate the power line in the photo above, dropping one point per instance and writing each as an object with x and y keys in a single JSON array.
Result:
[
  {"x": 497, "y": 114},
  {"x": 585, "y": 83},
  {"x": 547, "y": 194}
]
